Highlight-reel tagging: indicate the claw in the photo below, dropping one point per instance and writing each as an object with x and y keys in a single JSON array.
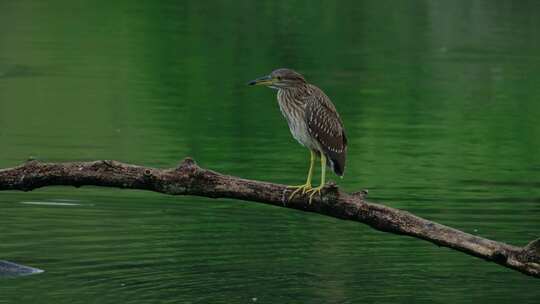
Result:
[
  {"x": 313, "y": 191},
  {"x": 305, "y": 188}
]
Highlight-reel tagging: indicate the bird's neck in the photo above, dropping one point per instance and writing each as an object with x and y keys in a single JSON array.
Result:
[
  {"x": 292, "y": 95},
  {"x": 294, "y": 91}
]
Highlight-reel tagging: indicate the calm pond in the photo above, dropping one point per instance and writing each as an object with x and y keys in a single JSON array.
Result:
[{"x": 440, "y": 99}]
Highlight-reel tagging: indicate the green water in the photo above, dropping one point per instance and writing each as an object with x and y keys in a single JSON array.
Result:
[{"x": 440, "y": 99}]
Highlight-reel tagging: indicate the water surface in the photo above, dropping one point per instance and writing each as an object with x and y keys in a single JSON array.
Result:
[{"x": 439, "y": 99}]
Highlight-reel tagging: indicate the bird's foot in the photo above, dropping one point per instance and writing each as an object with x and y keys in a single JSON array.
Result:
[
  {"x": 304, "y": 188},
  {"x": 314, "y": 191}
]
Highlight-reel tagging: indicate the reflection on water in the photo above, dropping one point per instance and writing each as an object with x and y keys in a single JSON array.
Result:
[
  {"x": 49, "y": 203},
  {"x": 12, "y": 270},
  {"x": 439, "y": 99}
]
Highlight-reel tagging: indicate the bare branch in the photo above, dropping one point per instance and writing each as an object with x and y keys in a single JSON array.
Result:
[{"x": 190, "y": 179}]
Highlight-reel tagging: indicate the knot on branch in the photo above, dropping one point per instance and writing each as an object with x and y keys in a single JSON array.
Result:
[
  {"x": 499, "y": 256},
  {"x": 100, "y": 165},
  {"x": 108, "y": 163},
  {"x": 331, "y": 191},
  {"x": 31, "y": 162},
  {"x": 332, "y": 187},
  {"x": 534, "y": 246},
  {"x": 531, "y": 252},
  {"x": 147, "y": 173},
  {"x": 362, "y": 194},
  {"x": 187, "y": 163}
]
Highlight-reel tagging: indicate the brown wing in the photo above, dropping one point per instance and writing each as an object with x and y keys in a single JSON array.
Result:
[{"x": 325, "y": 125}]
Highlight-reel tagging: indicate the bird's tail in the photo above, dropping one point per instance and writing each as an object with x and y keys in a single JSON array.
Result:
[{"x": 336, "y": 162}]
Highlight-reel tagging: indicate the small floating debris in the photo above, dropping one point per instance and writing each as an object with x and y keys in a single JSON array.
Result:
[
  {"x": 10, "y": 270},
  {"x": 51, "y": 203}
]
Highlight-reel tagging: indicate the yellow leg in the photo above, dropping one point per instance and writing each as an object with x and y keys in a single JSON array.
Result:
[
  {"x": 307, "y": 186},
  {"x": 323, "y": 177}
]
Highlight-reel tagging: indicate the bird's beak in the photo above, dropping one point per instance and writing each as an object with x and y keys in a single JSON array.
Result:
[{"x": 265, "y": 80}]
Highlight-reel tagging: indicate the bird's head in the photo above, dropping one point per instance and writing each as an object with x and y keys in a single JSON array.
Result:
[{"x": 280, "y": 79}]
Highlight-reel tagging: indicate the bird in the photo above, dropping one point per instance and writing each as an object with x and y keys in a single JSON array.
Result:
[{"x": 313, "y": 121}]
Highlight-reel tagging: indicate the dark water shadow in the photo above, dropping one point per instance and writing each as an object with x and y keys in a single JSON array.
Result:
[{"x": 19, "y": 70}]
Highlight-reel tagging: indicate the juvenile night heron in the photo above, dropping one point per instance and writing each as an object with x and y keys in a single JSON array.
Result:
[{"x": 313, "y": 121}]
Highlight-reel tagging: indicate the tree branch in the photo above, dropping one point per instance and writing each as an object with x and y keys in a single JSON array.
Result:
[{"x": 190, "y": 179}]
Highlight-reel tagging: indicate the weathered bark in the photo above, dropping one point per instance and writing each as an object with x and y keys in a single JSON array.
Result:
[{"x": 190, "y": 179}]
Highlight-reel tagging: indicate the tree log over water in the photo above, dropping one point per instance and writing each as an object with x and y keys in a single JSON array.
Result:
[{"x": 190, "y": 179}]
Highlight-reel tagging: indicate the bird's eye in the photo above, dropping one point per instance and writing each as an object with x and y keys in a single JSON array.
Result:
[{"x": 279, "y": 78}]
